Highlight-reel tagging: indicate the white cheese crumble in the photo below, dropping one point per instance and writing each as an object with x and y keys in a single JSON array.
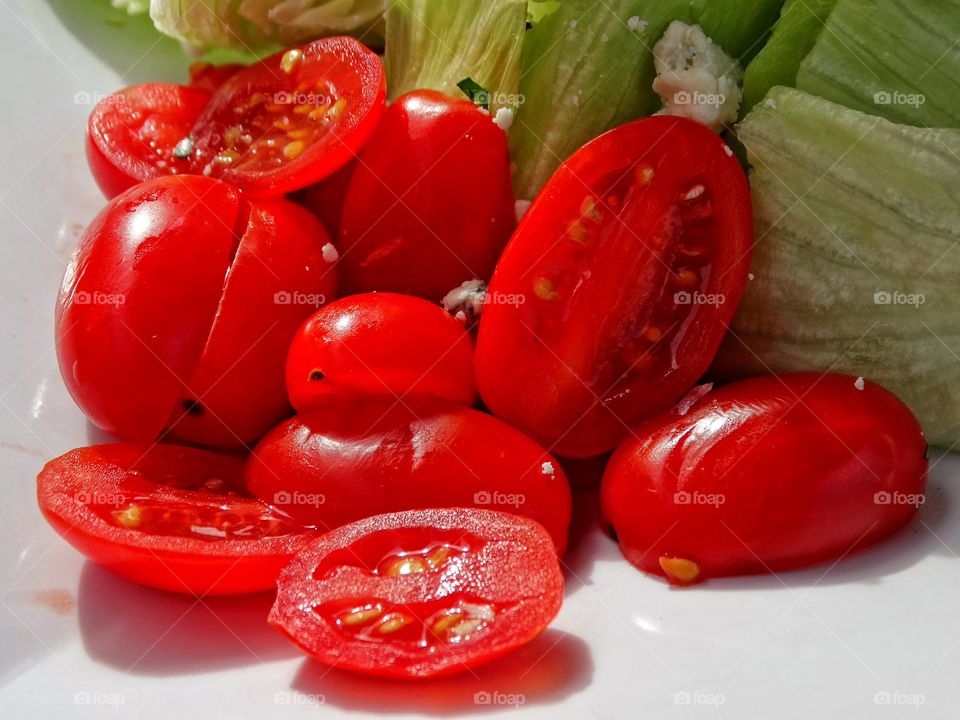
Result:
[
  {"x": 466, "y": 302},
  {"x": 329, "y": 253},
  {"x": 503, "y": 119},
  {"x": 750, "y": 276},
  {"x": 547, "y": 468},
  {"x": 636, "y": 24},
  {"x": 696, "y": 79},
  {"x": 858, "y": 383},
  {"x": 728, "y": 150}
]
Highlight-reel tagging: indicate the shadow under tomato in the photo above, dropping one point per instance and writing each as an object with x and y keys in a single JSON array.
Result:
[
  {"x": 588, "y": 543},
  {"x": 151, "y": 632},
  {"x": 550, "y": 669}
]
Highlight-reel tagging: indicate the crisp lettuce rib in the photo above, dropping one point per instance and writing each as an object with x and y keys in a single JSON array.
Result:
[{"x": 857, "y": 262}]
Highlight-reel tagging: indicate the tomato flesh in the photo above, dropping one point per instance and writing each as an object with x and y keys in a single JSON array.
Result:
[
  {"x": 766, "y": 475},
  {"x": 380, "y": 345},
  {"x": 430, "y": 203},
  {"x": 292, "y": 119},
  {"x": 421, "y": 593},
  {"x": 340, "y": 462},
  {"x": 134, "y": 134},
  {"x": 209, "y": 77},
  {"x": 631, "y": 263},
  {"x": 168, "y": 517},
  {"x": 155, "y": 328}
]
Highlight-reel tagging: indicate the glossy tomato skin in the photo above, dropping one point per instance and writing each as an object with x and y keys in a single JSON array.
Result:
[
  {"x": 292, "y": 119},
  {"x": 342, "y": 462},
  {"x": 380, "y": 345},
  {"x": 765, "y": 475},
  {"x": 109, "y": 502},
  {"x": 151, "y": 323},
  {"x": 469, "y": 586},
  {"x": 430, "y": 204},
  {"x": 631, "y": 263},
  {"x": 278, "y": 276},
  {"x": 132, "y": 133},
  {"x": 325, "y": 198},
  {"x": 209, "y": 77}
]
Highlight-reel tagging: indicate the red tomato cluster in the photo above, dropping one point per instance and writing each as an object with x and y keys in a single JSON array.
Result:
[{"x": 275, "y": 436}]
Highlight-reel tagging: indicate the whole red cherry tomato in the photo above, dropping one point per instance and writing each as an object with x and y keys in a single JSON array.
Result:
[
  {"x": 136, "y": 134},
  {"x": 421, "y": 593},
  {"x": 342, "y": 462},
  {"x": 430, "y": 203},
  {"x": 380, "y": 344},
  {"x": 632, "y": 261},
  {"x": 169, "y": 517},
  {"x": 292, "y": 119},
  {"x": 178, "y": 308},
  {"x": 765, "y": 475}
]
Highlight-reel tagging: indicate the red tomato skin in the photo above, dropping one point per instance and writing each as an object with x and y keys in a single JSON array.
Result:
[
  {"x": 430, "y": 204},
  {"x": 139, "y": 297},
  {"x": 361, "y": 82},
  {"x": 277, "y": 278},
  {"x": 380, "y": 345},
  {"x": 325, "y": 198},
  {"x": 765, "y": 475},
  {"x": 349, "y": 461},
  {"x": 209, "y": 77},
  {"x": 595, "y": 275},
  {"x": 517, "y": 567},
  {"x": 70, "y": 485},
  {"x": 118, "y": 157}
]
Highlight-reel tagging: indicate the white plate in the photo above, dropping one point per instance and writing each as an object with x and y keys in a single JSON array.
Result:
[{"x": 877, "y": 635}]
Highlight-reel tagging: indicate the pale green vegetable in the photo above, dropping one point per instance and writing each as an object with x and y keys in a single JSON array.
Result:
[
  {"x": 262, "y": 26},
  {"x": 857, "y": 262},
  {"x": 434, "y": 44}
]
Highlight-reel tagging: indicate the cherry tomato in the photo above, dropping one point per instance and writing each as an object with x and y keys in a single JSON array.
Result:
[
  {"x": 178, "y": 308},
  {"x": 325, "y": 199},
  {"x": 430, "y": 204},
  {"x": 421, "y": 593},
  {"x": 292, "y": 119},
  {"x": 209, "y": 77},
  {"x": 136, "y": 134},
  {"x": 765, "y": 475},
  {"x": 380, "y": 344},
  {"x": 342, "y": 462},
  {"x": 169, "y": 517},
  {"x": 631, "y": 262}
]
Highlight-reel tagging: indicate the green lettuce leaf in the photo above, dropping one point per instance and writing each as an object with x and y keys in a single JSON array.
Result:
[
  {"x": 588, "y": 67},
  {"x": 437, "y": 43},
  {"x": 857, "y": 263}
]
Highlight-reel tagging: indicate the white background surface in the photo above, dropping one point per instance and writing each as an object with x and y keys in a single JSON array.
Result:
[{"x": 826, "y": 642}]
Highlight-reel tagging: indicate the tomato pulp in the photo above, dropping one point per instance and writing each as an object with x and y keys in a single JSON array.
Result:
[
  {"x": 630, "y": 263},
  {"x": 421, "y": 593}
]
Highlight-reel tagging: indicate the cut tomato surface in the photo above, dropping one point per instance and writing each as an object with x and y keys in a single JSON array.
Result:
[
  {"x": 631, "y": 263},
  {"x": 292, "y": 119},
  {"x": 139, "y": 133},
  {"x": 170, "y": 517},
  {"x": 421, "y": 593}
]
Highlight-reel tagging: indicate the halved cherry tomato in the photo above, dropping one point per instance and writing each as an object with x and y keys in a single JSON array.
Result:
[
  {"x": 342, "y": 462},
  {"x": 136, "y": 134},
  {"x": 430, "y": 204},
  {"x": 292, "y": 119},
  {"x": 632, "y": 261},
  {"x": 422, "y": 593},
  {"x": 178, "y": 308},
  {"x": 380, "y": 344},
  {"x": 169, "y": 517},
  {"x": 765, "y": 475},
  {"x": 209, "y": 77}
]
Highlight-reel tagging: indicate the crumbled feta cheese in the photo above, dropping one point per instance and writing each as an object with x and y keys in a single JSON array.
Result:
[
  {"x": 728, "y": 150},
  {"x": 750, "y": 276},
  {"x": 466, "y": 302},
  {"x": 503, "y": 119},
  {"x": 547, "y": 468},
  {"x": 858, "y": 383},
  {"x": 696, "y": 79},
  {"x": 520, "y": 208},
  {"x": 636, "y": 24},
  {"x": 329, "y": 253}
]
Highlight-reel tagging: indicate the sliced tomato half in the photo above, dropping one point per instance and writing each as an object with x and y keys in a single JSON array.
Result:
[
  {"x": 169, "y": 517},
  {"x": 420, "y": 593},
  {"x": 292, "y": 119}
]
